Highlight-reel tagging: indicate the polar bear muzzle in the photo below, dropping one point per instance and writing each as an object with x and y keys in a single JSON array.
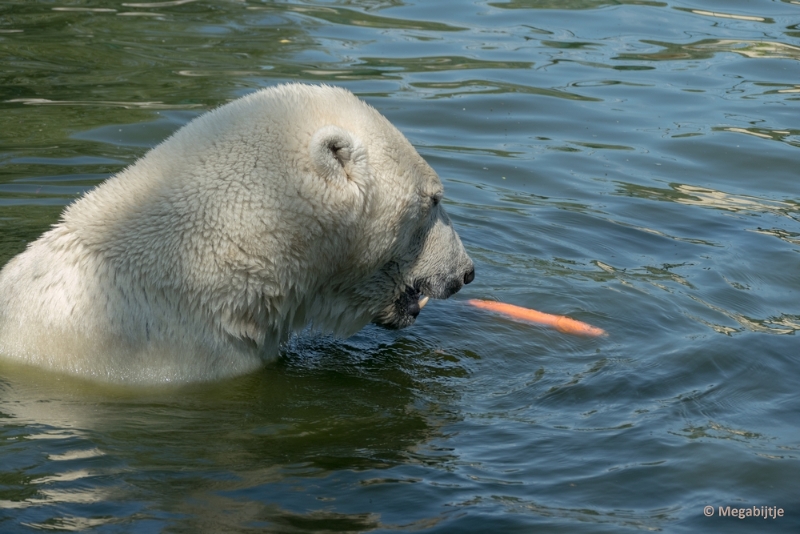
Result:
[{"x": 405, "y": 309}]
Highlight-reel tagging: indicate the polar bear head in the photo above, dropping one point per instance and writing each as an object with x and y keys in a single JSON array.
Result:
[
  {"x": 294, "y": 205},
  {"x": 388, "y": 204},
  {"x": 378, "y": 226}
]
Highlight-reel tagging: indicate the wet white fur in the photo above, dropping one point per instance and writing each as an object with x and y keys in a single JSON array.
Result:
[{"x": 294, "y": 205}]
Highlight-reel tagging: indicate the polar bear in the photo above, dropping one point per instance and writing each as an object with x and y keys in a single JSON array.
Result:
[{"x": 294, "y": 205}]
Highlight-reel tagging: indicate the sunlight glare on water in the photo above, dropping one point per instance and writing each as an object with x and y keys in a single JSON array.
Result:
[{"x": 631, "y": 164}]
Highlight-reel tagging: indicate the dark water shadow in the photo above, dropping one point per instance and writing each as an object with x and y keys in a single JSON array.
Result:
[{"x": 270, "y": 447}]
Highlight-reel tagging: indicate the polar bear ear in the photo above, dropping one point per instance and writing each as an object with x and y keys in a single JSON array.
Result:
[{"x": 337, "y": 154}]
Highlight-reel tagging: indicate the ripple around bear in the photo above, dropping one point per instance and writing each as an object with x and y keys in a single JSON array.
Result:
[{"x": 294, "y": 205}]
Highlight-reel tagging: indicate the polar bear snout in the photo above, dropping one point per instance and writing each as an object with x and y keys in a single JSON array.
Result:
[
  {"x": 469, "y": 276},
  {"x": 405, "y": 308},
  {"x": 443, "y": 286}
]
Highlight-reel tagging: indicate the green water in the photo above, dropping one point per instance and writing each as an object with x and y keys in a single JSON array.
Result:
[{"x": 630, "y": 163}]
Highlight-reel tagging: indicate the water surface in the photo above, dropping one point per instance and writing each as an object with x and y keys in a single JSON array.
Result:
[{"x": 630, "y": 163}]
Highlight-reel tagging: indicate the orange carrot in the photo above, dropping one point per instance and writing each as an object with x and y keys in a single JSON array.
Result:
[{"x": 561, "y": 323}]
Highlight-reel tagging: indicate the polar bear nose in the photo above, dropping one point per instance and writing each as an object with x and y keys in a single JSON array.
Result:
[{"x": 469, "y": 276}]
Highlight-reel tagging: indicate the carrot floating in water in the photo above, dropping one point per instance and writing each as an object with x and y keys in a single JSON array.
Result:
[{"x": 561, "y": 323}]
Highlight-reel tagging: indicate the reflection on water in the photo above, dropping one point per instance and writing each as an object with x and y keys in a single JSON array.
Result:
[
  {"x": 350, "y": 17},
  {"x": 706, "y": 48},
  {"x": 692, "y": 195},
  {"x": 487, "y": 87},
  {"x": 96, "y": 103},
  {"x": 574, "y": 4},
  {"x": 791, "y": 136},
  {"x": 717, "y": 14},
  {"x": 629, "y": 163}
]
